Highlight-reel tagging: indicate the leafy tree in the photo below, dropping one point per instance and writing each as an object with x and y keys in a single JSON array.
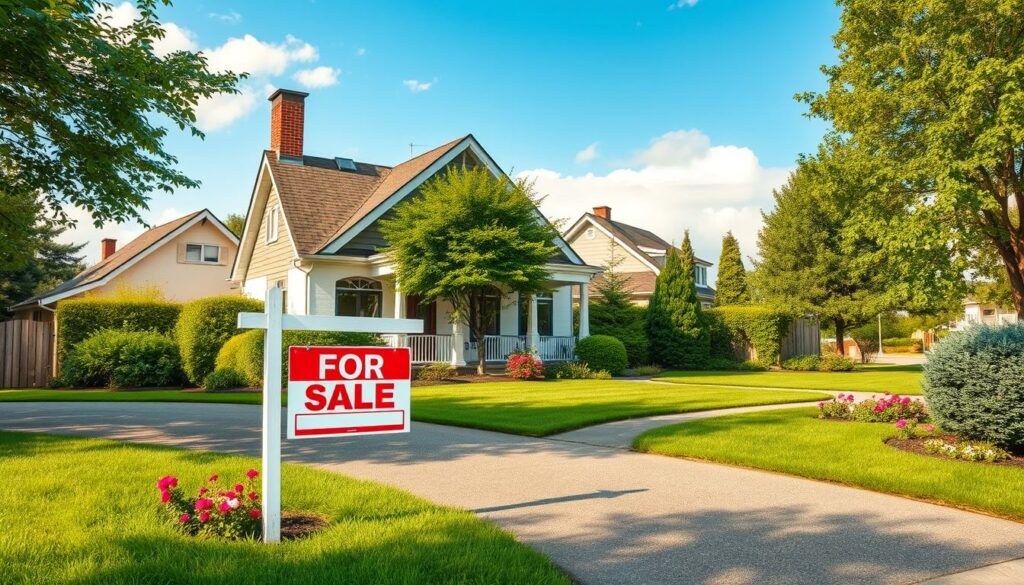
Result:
[
  {"x": 935, "y": 91},
  {"x": 731, "y": 285},
  {"x": 466, "y": 235},
  {"x": 613, "y": 313},
  {"x": 78, "y": 101},
  {"x": 235, "y": 223},
  {"x": 676, "y": 328},
  {"x": 50, "y": 264},
  {"x": 811, "y": 262}
]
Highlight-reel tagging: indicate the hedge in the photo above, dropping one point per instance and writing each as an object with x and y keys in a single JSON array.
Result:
[
  {"x": 733, "y": 326},
  {"x": 123, "y": 359},
  {"x": 243, "y": 353},
  {"x": 79, "y": 319},
  {"x": 203, "y": 327},
  {"x": 626, "y": 323},
  {"x": 974, "y": 384}
]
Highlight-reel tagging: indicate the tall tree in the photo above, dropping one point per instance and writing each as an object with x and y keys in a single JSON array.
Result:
[
  {"x": 466, "y": 236},
  {"x": 935, "y": 90},
  {"x": 50, "y": 264},
  {"x": 676, "y": 328},
  {"x": 731, "y": 284},
  {"x": 612, "y": 312},
  {"x": 235, "y": 223},
  {"x": 78, "y": 100}
]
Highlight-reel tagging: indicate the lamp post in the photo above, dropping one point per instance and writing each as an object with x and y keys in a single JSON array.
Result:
[{"x": 880, "y": 352}]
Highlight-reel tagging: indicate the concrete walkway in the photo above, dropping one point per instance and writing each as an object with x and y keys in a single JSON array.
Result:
[{"x": 606, "y": 515}]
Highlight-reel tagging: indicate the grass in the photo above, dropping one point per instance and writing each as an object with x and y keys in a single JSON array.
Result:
[
  {"x": 898, "y": 379},
  {"x": 796, "y": 442},
  {"x": 526, "y": 408},
  {"x": 86, "y": 511},
  {"x": 544, "y": 408}
]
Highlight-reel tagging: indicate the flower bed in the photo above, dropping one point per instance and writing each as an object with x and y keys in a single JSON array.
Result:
[
  {"x": 215, "y": 510},
  {"x": 889, "y": 408},
  {"x": 524, "y": 365},
  {"x": 949, "y": 447}
]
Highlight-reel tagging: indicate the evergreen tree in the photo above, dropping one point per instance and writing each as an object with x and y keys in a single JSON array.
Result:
[
  {"x": 50, "y": 264},
  {"x": 613, "y": 313},
  {"x": 731, "y": 285},
  {"x": 676, "y": 327}
]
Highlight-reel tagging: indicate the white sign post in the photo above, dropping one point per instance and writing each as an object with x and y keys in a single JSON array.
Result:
[{"x": 274, "y": 322}]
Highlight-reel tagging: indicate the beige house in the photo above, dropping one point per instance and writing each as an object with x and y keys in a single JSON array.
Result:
[
  {"x": 987, "y": 313},
  {"x": 187, "y": 258},
  {"x": 312, "y": 230},
  {"x": 639, "y": 254}
]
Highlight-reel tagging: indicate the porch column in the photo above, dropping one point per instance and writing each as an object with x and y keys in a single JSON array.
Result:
[
  {"x": 584, "y": 311},
  {"x": 459, "y": 343},
  {"x": 532, "y": 336},
  {"x": 401, "y": 339}
]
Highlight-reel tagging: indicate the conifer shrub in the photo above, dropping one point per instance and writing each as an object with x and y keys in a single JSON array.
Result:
[{"x": 676, "y": 326}]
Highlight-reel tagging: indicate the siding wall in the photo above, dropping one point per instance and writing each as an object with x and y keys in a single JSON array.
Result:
[
  {"x": 273, "y": 260},
  {"x": 597, "y": 252}
]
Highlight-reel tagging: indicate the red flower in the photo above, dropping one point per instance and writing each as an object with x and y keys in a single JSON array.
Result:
[
  {"x": 252, "y": 473},
  {"x": 184, "y": 518},
  {"x": 239, "y": 488},
  {"x": 165, "y": 496},
  {"x": 254, "y": 496},
  {"x": 254, "y": 514},
  {"x": 167, "y": 482},
  {"x": 213, "y": 477},
  {"x": 203, "y": 504},
  {"x": 230, "y": 495},
  {"x": 224, "y": 508},
  {"x": 203, "y": 490},
  {"x": 204, "y": 517}
]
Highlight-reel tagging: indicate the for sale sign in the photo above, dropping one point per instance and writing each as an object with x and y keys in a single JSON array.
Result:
[{"x": 348, "y": 391}]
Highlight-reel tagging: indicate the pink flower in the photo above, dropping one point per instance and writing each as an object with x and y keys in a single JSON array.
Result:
[
  {"x": 254, "y": 496},
  {"x": 927, "y": 428},
  {"x": 841, "y": 396},
  {"x": 184, "y": 518},
  {"x": 254, "y": 514},
  {"x": 901, "y": 423},
  {"x": 167, "y": 482},
  {"x": 905, "y": 401},
  {"x": 165, "y": 496},
  {"x": 213, "y": 477},
  {"x": 252, "y": 473},
  {"x": 821, "y": 405},
  {"x": 203, "y": 504},
  {"x": 204, "y": 517},
  {"x": 224, "y": 508},
  {"x": 849, "y": 398},
  {"x": 239, "y": 488}
]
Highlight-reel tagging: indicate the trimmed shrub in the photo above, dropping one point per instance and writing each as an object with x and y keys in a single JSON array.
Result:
[
  {"x": 625, "y": 322},
  {"x": 974, "y": 384},
  {"x": 603, "y": 352},
  {"x": 79, "y": 319},
  {"x": 802, "y": 363},
  {"x": 643, "y": 371},
  {"x": 244, "y": 352},
  {"x": 836, "y": 363},
  {"x": 734, "y": 326},
  {"x": 224, "y": 379},
  {"x": 203, "y": 327},
  {"x": 122, "y": 359},
  {"x": 436, "y": 372}
]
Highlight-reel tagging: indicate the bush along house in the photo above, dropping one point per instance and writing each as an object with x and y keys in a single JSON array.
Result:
[{"x": 312, "y": 229}]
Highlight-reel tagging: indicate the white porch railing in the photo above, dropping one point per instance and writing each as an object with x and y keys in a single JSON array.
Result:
[
  {"x": 425, "y": 349},
  {"x": 558, "y": 348}
]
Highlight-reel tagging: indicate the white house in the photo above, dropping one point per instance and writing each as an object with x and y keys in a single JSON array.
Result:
[
  {"x": 312, "y": 229},
  {"x": 978, "y": 312}
]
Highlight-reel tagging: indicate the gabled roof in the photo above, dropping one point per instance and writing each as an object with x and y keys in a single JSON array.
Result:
[
  {"x": 635, "y": 239},
  {"x": 641, "y": 284},
  {"x": 135, "y": 250}
]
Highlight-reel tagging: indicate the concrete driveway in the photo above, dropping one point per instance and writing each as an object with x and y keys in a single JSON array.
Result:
[{"x": 603, "y": 513}]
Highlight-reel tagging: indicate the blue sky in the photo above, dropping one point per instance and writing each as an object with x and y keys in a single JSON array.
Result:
[{"x": 680, "y": 116}]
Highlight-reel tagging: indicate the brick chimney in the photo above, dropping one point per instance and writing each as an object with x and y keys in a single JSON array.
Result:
[
  {"x": 603, "y": 211},
  {"x": 287, "y": 110},
  {"x": 107, "y": 248}
]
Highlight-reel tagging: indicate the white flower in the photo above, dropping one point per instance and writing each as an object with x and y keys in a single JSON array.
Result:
[{"x": 234, "y": 503}]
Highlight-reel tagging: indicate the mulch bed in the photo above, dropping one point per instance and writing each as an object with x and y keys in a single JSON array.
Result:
[
  {"x": 295, "y": 525},
  {"x": 917, "y": 446}
]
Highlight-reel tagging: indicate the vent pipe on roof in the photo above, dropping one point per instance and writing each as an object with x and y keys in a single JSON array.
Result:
[
  {"x": 603, "y": 211},
  {"x": 287, "y": 113},
  {"x": 107, "y": 248}
]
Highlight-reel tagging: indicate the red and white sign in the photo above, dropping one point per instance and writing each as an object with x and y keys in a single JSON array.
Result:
[{"x": 348, "y": 391}]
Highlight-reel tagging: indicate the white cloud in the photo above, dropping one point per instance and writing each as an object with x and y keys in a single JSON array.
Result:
[
  {"x": 360, "y": 51},
  {"x": 220, "y": 110},
  {"x": 176, "y": 38},
  {"x": 587, "y": 154},
  {"x": 416, "y": 86},
  {"x": 680, "y": 181},
  {"x": 318, "y": 77},
  {"x": 682, "y": 4},
  {"x": 230, "y": 17},
  {"x": 118, "y": 16},
  {"x": 251, "y": 55}
]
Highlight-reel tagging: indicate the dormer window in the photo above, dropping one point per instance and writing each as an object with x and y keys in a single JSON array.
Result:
[{"x": 701, "y": 275}]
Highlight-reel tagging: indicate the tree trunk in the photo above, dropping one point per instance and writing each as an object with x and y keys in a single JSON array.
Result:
[
  {"x": 840, "y": 336},
  {"x": 1014, "y": 264}
]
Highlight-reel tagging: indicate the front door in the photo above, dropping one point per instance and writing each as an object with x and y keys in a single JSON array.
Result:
[{"x": 414, "y": 309}]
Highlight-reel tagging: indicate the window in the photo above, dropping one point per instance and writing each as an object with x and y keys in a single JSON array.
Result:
[
  {"x": 358, "y": 297},
  {"x": 988, "y": 312},
  {"x": 202, "y": 254},
  {"x": 492, "y": 315},
  {"x": 701, "y": 275},
  {"x": 272, "y": 221},
  {"x": 545, "y": 314},
  {"x": 590, "y": 233}
]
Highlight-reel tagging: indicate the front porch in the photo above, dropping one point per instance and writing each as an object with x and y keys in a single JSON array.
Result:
[{"x": 442, "y": 348}]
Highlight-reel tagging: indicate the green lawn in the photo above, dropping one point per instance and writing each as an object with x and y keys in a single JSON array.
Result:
[
  {"x": 87, "y": 511},
  {"x": 544, "y": 408},
  {"x": 896, "y": 379},
  {"x": 795, "y": 441},
  {"x": 527, "y": 408}
]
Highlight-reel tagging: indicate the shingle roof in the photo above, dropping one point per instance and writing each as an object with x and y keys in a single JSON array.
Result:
[
  {"x": 642, "y": 284},
  {"x": 636, "y": 237},
  {"x": 321, "y": 202},
  {"x": 119, "y": 258}
]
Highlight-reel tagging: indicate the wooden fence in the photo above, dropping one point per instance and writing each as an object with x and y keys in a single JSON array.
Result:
[
  {"x": 803, "y": 338},
  {"x": 26, "y": 353}
]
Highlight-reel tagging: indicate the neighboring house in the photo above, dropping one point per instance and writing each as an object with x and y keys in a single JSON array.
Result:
[
  {"x": 640, "y": 254},
  {"x": 312, "y": 230},
  {"x": 979, "y": 312},
  {"x": 184, "y": 259}
]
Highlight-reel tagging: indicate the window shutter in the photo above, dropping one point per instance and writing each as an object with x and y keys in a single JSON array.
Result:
[{"x": 181, "y": 253}]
